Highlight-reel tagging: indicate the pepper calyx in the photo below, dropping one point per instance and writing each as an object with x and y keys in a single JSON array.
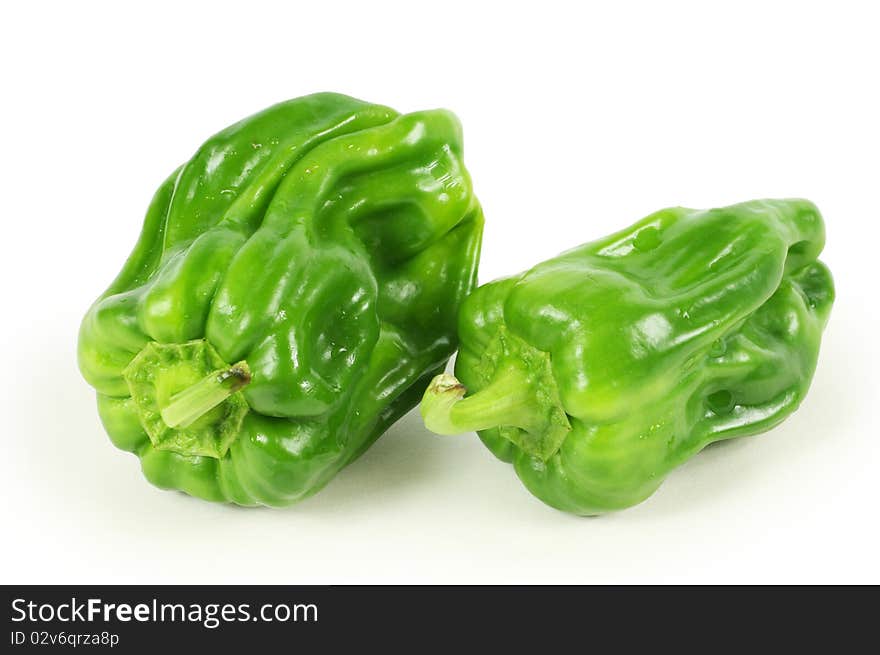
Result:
[{"x": 188, "y": 399}]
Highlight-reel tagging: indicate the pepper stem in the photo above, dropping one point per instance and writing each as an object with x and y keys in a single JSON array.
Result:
[
  {"x": 506, "y": 401},
  {"x": 526, "y": 415},
  {"x": 187, "y": 406}
]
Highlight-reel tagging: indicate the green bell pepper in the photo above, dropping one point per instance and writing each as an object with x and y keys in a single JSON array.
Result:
[
  {"x": 293, "y": 290},
  {"x": 599, "y": 371}
]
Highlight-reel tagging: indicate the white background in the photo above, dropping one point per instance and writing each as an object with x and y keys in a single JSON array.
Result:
[{"x": 578, "y": 121}]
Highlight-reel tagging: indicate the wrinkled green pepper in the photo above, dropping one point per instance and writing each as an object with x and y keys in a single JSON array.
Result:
[
  {"x": 293, "y": 290},
  {"x": 599, "y": 371}
]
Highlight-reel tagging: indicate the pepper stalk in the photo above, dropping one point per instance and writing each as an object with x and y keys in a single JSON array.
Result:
[
  {"x": 515, "y": 402},
  {"x": 187, "y": 406}
]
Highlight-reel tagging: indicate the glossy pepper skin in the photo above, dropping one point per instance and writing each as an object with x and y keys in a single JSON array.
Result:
[
  {"x": 293, "y": 290},
  {"x": 599, "y": 371}
]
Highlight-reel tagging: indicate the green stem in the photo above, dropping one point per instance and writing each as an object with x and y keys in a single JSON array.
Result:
[
  {"x": 509, "y": 400},
  {"x": 189, "y": 405}
]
